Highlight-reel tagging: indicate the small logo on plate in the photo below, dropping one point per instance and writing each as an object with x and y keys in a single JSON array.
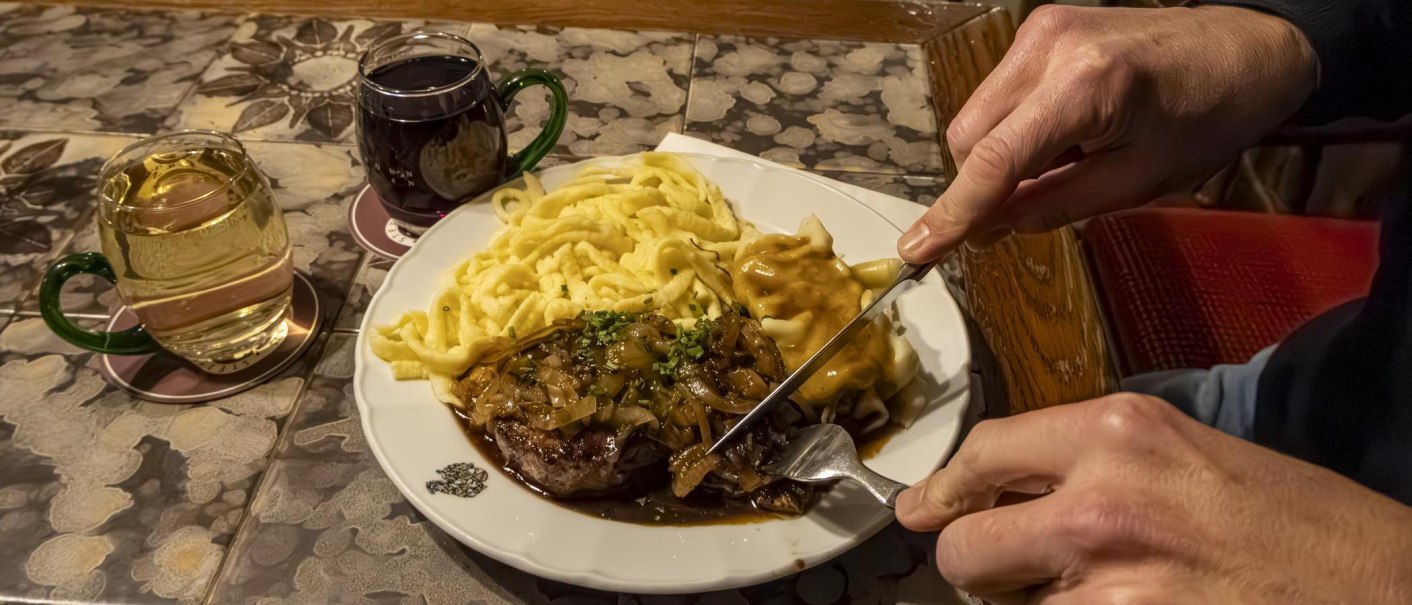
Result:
[{"x": 461, "y": 479}]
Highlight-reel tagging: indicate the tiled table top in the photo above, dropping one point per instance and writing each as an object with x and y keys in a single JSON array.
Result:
[{"x": 272, "y": 496}]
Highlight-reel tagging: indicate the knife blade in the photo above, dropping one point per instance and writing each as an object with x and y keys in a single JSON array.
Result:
[{"x": 781, "y": 394}]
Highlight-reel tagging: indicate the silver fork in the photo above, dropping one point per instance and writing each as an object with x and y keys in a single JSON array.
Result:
[{"x": 824, "y": 453}]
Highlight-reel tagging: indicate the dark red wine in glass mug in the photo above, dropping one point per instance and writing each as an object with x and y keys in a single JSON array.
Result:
[{"x": 431, "y": 125}]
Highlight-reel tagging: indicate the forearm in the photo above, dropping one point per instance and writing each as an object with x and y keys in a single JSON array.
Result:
[{"x": 1364, "y": 49}]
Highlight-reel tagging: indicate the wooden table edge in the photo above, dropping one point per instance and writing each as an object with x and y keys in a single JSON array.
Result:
[{"x": 905, "y": 21}]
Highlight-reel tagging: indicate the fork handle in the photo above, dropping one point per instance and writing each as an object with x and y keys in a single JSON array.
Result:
[{"x": 882, "y": 488}]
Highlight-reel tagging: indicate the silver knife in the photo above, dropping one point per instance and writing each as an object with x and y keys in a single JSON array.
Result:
[{"x": 909, "y": 273}]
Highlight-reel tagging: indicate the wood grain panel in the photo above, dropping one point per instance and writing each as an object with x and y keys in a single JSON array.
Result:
[
  {"x": 912, "y": 21},
  {"x": 1035, "y": 307},
  {"x": 1041, "y": 339},
  {"x": 960, "y": 59}
]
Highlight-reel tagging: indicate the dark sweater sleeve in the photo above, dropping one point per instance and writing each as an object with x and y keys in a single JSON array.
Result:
[{"x": 1365, "y": 55}]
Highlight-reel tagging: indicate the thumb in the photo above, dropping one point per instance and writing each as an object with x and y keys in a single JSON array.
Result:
[
  {"x": 983, "y": 183},
  {"x": 1021, "y": 147}
]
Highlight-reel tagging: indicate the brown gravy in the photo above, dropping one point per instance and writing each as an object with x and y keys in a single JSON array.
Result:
[
  {"x": 784, "y": 277},
  {"x": 657, "y": 505}
]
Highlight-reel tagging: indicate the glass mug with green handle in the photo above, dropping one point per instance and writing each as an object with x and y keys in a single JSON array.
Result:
[
  {"x": 431, "y": 125},
  {"x": 198, "y": 250}
]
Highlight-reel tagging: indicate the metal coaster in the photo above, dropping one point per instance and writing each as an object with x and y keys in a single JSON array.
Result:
[
  {"x": 165, "y": 378},
  {"x": 373, "y": 228}
]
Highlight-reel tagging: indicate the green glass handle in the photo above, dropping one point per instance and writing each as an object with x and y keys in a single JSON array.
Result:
[
  {"x": 132, "y": 341},
  {"x": 528, "y": 157}
]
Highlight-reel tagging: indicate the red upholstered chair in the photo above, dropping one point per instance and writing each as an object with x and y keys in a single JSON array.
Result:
[{"x": 1185, "y": 288}]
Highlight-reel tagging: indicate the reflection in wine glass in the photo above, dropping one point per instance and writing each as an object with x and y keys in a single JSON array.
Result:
[{"x": 458, "y": 168}]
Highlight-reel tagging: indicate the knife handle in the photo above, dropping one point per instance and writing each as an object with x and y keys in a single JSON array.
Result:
[{"x": 913, "y": 272}]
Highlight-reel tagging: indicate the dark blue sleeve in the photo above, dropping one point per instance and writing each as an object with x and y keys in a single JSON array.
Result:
[{"x": 1365, "y": 55}]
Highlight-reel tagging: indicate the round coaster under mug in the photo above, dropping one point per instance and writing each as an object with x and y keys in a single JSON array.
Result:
[
  {"x": 373, "y": 229},
  {"x": 165, "y": 378}
]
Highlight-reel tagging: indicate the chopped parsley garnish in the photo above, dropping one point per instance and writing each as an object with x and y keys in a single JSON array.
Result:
[
  {"x": 647, "y": 301},
  {"x": 525, "y": 368},
  {"x": 563, "y": 287},
  {"x": 512, "y": 332},
  {"x": 674, "y": 270},
  {"x": 597, "y": 391},
  {"x": 689, "y": 346},
  {"x": 603, "y": 327}
]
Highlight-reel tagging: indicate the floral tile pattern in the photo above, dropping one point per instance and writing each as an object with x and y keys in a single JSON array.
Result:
[
  {"x": 329, "y": 526},
  {"x": 365, "y": 284},
  {"x": 272, "y": 496},
  {"x": 104, "y": 497},
  {"x": 626, "y": 89},
  {"x": 289, "y": 78},
  {"x": 94, "y": 69},
  {"x": 46, "y": 195},
  {"x": 87, "y": 299},
  {"x": 824, "y": 105}
]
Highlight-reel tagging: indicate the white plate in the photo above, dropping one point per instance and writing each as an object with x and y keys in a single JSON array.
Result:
[{"x": 413, "y": 435}]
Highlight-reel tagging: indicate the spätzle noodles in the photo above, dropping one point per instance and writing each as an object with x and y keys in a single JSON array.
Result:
[{"x": 652, "y": 235}]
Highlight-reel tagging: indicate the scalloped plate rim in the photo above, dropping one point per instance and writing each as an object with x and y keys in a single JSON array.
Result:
[{"x": 597, "y": 579}]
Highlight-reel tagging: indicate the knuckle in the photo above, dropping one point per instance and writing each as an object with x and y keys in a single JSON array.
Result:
[
  {"x": 982, "y": 433},
  {"x": 1048, "y": 19},
  {"x": 944, "y": 219},
  {"x": 1128, "y": 417},
  {"x": 971, "y": 451},
  {"x": 992, "y": 158},
  {"x": 1120, "y": 595},
  {"x": 1102, "y": 66},
  {"x": 938, "y": 497},
  {"x": 958, "y": 136},
  {"x": 1093, "y": 60},
  {"x": 1097, "y": 522},
  {"x": 1122, "y": 76}
]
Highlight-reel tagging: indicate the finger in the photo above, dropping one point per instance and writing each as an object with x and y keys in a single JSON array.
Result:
[
  {"x": 1020, "y": 71},
  {"x": 997, "y": 97},
  {"x": 1152, "y": 583},
  {"x": 1045, "y": 125},
  {"x": 1009, "y": 598},
  {"x": 1071, "y": 155},
  {"x": 1097, "y": 184},
  {"x": 998, "y": 228},
  {"x": 1004, "y": 550},
  {"x": 1029, "y": 453}
]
